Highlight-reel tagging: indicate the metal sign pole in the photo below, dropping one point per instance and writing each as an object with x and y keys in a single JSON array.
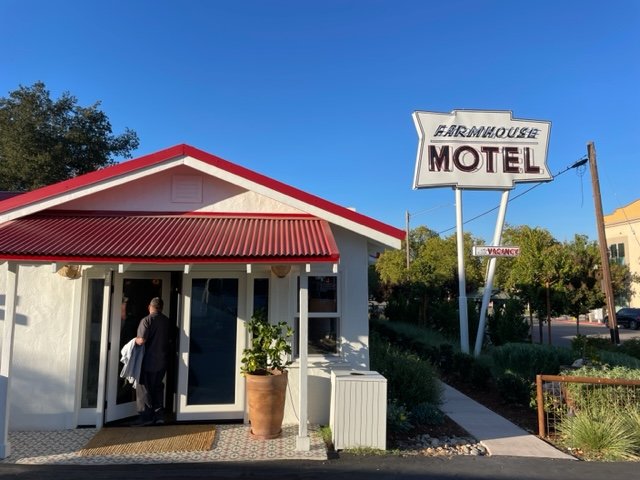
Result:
[
  {"x": 488, "y": 284},
  {"x": 462, "y": 297}
]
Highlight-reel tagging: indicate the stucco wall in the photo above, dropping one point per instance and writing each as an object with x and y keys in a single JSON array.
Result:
[
  {"x": 3, "y": 298},
  {"x": 158, "y": 194},
  {"x": 41, "y": 393},
  {"x": 624, "y": 233},
  {"x": 621, "y": 226},
  {"x": 354, "y": 330}
]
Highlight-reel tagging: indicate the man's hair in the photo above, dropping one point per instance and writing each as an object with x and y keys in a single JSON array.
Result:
[{"x": 157, "y": 303}]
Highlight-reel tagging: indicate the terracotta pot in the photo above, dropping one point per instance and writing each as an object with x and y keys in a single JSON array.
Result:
[{"x": 266, "y": 398}]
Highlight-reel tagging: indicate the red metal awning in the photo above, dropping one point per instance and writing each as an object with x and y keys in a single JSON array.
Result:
[{"x": 168, "y": 238}]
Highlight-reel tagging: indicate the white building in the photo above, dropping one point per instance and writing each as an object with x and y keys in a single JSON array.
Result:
[{"x": 79, "y": 261}]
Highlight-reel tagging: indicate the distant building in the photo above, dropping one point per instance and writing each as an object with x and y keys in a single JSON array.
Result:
[{"x": 622, "y": 229}]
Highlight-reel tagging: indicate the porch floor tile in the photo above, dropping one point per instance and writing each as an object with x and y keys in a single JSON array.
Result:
[{"x": 231, "y": 443}]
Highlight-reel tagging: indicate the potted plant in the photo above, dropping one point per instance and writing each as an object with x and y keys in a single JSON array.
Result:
[{"x": 264, "y": 367}]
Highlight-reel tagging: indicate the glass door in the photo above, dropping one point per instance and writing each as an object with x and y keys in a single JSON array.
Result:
[
  {"x": 132, "y": 293},
  {"x": 211, "y": 342}
]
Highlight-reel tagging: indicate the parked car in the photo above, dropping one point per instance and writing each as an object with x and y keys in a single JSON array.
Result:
[{"x": 627, "y": 318}]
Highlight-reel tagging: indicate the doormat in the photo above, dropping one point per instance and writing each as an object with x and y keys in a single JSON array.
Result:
[{"x": 160, "y": 439}]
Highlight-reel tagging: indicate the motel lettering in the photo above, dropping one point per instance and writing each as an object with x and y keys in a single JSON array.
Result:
[{"x": 489, "y": 159}]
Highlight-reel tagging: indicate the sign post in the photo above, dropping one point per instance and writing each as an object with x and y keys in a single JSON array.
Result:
[
  {"x": 462, "y": 286},
  {"x": 480, "y": 150}
]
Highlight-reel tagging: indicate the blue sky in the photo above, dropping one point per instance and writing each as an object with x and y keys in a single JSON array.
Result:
[{"x": 319, "y": 94}]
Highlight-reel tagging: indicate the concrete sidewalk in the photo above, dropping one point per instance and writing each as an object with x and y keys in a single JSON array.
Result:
[{"x": 498, "y": 435}]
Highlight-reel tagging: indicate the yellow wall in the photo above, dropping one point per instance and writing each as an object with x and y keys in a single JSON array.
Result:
[{"x": 623, "y": 226}]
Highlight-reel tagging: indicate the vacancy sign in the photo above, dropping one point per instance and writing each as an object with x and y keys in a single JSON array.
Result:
[
  {"x": 480, "y": 150},
  {"x": 495, "y": 251}
]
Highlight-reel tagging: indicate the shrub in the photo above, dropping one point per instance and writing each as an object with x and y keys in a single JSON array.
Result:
[
  {"x": 480, "y": 376},
  {"x": 631, "y": 347},
  {"x": 401, "y": 304},
  {"x": 410, "y": 379},
  {"x": 398, "y": 418},
  {"x": 427, "y": 414},
  {"x": 513, "y": 388},
  {"x": 445, "y": 358},
  {"x": 443, "y": 317},
  {"x": 507, "y": 323},
  {"x": 601, "y": 433},
  {"x": 410, "y": 332},
  {"x": 589, "y": 347},
  {"x": 633, "y": 417},
  {"x": 462, "y": 363},
  {"x": 527, "y": 360},
  {"x": 618, "y": 359}
]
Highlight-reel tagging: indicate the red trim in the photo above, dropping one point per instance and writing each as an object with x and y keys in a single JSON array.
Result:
[
  {"x": 187, "y": 150},
  {"x": 273, "y": 260}
]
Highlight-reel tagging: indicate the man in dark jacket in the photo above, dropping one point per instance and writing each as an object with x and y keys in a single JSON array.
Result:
[{"x": 154, "y": 332}]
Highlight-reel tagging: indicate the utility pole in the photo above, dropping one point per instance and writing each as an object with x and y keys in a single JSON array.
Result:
[
  {"x": 602, "y": 241},
  {"x": 407, "y": 239}
]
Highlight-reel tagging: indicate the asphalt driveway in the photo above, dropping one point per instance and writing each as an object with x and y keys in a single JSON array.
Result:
[{"x": 385, "y": 467}]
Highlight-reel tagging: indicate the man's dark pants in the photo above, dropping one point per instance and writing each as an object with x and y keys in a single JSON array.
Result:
[{"x": 149, "y": 395}]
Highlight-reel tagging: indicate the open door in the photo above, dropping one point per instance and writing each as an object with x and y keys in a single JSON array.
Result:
[{"x": 131, "y": 296}]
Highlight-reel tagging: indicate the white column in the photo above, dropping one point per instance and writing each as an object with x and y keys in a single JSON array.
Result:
[
  {"x": 488, "y": 284},
  {"x": 7, "y": 353},
  {"x": 462, "y": 284},
  {"x": 302, "y": 441},
  {"x": 104, "y": 343}
]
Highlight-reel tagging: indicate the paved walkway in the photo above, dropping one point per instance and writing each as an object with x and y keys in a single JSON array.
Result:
[{"x": 498, "y": 435}]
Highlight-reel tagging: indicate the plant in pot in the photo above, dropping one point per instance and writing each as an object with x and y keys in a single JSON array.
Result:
[{"x": 264, "y": 366}]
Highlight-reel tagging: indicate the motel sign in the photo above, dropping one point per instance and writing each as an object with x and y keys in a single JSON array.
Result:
[{"x": 479, "y": 150}]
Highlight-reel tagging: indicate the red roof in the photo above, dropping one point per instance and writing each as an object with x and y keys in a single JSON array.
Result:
[
  {"x": 146, "y": 161},
  {"x": 152, "y": 238}
]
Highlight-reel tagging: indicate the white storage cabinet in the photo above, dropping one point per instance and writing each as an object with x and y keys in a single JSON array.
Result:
[{"x": 358, "y": 414}]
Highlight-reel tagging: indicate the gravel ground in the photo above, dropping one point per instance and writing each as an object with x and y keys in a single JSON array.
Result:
[{"x": 428, "y": 446}]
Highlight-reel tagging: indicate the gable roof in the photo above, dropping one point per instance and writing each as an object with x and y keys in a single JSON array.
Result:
[{"x": 53, "y": 195}]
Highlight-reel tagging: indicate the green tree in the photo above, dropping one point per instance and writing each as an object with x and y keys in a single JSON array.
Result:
[
  {"x": 427, "y": 292},
  {"x": 43, "y": 141},
  {"x": 582, "y": 289},
  {"x": 536, "y": 274},
  {"x": 622, "y": 281}
]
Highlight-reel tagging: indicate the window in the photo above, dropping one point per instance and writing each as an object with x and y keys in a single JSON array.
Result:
[
  {"x": 261, "y": 295},
  {"x": 91, "y": 361},
  {"x": 616, "y": 253},
  {"x": 324, "y": 315}
]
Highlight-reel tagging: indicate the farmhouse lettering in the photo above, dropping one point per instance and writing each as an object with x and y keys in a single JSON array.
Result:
[{"x": 485, "y": 132}]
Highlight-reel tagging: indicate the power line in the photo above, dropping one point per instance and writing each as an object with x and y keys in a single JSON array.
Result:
[{"x": 577, "y": 164}]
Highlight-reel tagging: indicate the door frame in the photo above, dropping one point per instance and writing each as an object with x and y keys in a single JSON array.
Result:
[
  {"x": 91, "y": 415},
  {"x": 114, "y": 411},
  {"x": 235, "y": 410}
]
